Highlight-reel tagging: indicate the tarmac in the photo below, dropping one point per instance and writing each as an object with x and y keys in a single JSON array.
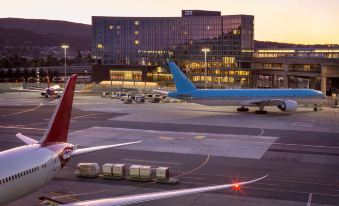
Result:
[{"x": 202, "y": 145}]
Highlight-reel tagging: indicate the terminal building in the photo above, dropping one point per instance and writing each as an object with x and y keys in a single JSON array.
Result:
[
  {"x": 315, "y": 68},
  {"x": 136, "y": 49}
]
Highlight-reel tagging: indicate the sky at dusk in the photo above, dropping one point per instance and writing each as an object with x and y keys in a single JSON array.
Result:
[{"x": 294, "y": 21}]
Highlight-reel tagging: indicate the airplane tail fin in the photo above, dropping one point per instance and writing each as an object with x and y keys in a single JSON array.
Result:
[
  {"x": 48, "y": 84},
  {"x": 182, "y": 83},
  {"x": 57, "y": 130}
]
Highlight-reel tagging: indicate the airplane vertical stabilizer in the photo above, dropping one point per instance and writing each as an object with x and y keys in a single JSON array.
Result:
[
  {"x": 57, "y": 130},
  {"x": 182, "y": 83}
]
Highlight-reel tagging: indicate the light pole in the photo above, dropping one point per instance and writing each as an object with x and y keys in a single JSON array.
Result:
[
  {"x": 205, "y": 50},
  {"x": 65, "y": 47}
]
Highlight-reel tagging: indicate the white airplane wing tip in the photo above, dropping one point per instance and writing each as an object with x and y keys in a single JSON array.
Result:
[
  {"x": 98, "y": 148},
  {"x": 26, "y": 139}
]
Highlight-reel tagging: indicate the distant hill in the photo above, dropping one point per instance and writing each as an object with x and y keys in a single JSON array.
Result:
[{"x": 39, "y": 32}]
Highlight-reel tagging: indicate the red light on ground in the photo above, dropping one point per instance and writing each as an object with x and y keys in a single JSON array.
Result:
[{"x": 236, "y": 187}]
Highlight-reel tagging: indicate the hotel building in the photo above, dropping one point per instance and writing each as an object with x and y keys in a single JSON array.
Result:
[{"x": 137, "y": 49}]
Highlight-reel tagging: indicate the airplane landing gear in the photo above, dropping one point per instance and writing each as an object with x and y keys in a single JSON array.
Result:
[
  {"x": 261, "y": 110},
  {"x": 242, "y": 109}
]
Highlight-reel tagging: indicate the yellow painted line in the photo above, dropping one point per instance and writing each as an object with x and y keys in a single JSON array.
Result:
[
  {"x": 208, "y": 157},
  {"x": 39, "y": 123},
  {"x": 166, "y": 138},
  {"x": 65, "y": 196},
  {"x": 16, "y": 127},
  {"x": 86, "y": 115},
  {"x": 199, "y": 137},
  {"x": 28, "y": 110},
  {"x": 150, "y": 161}
]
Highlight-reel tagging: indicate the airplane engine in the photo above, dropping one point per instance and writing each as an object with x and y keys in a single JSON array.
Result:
[{"x": 288, "y": 106}]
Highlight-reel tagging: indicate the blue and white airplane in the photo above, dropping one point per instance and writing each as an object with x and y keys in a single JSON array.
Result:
[{"x": 286, "y": 100}]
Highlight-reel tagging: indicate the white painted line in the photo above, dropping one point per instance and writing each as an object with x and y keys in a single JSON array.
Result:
[
  {"x": 290, "y": 191},
  {"x": 309, "y": 200},
  {"x": 262, "y": 132},
  {"x": 307, "y": 145},
  {"x": 273, "y": 180},
  {"x": 194, "y": 178},
  {"x": 149, "y": 161},
  {"x": 15, "y": 127}
]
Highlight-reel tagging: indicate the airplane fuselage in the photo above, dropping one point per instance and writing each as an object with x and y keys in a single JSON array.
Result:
[
  {"x": 243, "y": 97},
  {"x": 31, "y": 166}
]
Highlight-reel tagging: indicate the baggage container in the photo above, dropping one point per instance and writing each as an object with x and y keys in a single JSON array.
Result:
[
  {"x": 167, "y": 100},
  {"x": 134, "y": 171},
  {"x": 140, "y": 99},
  {"x": 118, "y": 170},
  {"x": 107, "y": 170},
  {"x": 162, "y": 173},
  {"x": 87, "y": 170},
  {"x": 145, "y": 172},
  {"x": 127, "y": 100}
]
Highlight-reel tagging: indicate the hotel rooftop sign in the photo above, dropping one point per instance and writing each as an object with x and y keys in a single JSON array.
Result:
[{"x": 188, "y": 13}]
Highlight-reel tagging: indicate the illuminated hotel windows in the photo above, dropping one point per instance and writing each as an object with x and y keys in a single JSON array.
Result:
[
  {"x": 119, "y": 75},
  {"x": 111, "y": 27},
  {"x": 152, "y": 41},
  {"x": 100, "y": 46}
]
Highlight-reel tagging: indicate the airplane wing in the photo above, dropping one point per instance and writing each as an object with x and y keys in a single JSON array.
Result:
[
  {"x": 82, "y": 91},
  {"x": 133, "y": 199},
  {"x": 93, "y": 149},
  {"x": 160, "y": 91},
  {"x": 26, "y": 139},
  {"x": 263, "y": 102}
]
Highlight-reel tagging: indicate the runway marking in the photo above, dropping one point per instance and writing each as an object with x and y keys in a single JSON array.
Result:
[
  {"x": 16, "y": 127},
  {"x": 67, "y": 197},
  {"x": 166, "y": 138},
  {"x": 149, "y": 161},
  {"x": 274, "y": 180},
  {"x": 307, "y": 145},
  {"x": 309, "y": 200},
  {"x": 199, "y": 137},
  {"x": 86, "y": 115},
  {"x": 194, "y": 178},
  {"x": 47, "y": 120},
  {"x": 208, "y": 157},
  {"x": 28, "y": 110},
  {"x": 262, "y": 132},
  {"x": 290, "y": 191}
]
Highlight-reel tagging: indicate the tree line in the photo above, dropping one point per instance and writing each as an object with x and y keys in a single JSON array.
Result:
[
  {"x": 22, "y": 62},
  {"x": 27, "y": 75},
  {"x": 17, "y": 69}
]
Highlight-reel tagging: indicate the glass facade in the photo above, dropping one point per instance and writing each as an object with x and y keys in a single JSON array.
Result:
[
  {"x": 320, "y": 53},
  {"x": 151, "y": 41}
]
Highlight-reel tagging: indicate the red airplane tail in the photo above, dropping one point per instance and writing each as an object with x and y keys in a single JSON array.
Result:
[{"x": 57, "y": 130}]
